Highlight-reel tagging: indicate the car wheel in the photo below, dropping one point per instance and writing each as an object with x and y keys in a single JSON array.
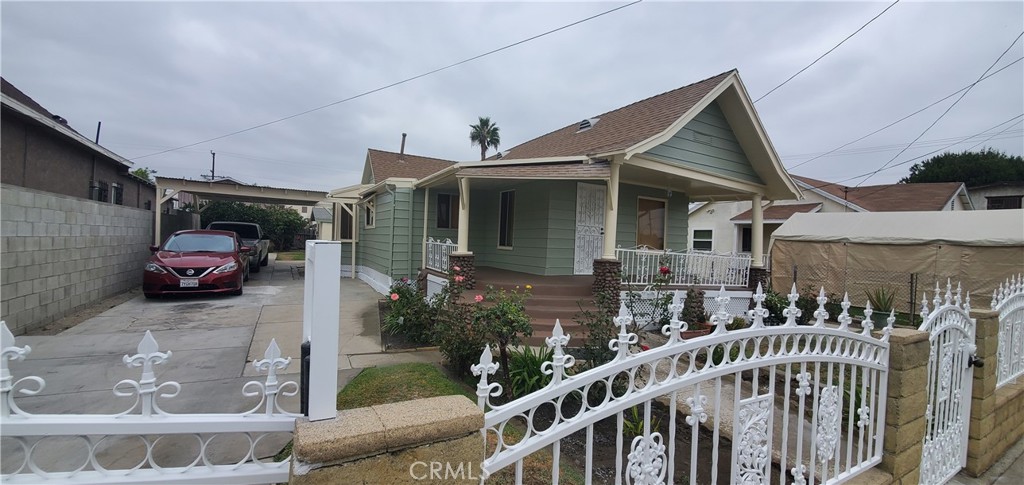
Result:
[
  {"x": 245, "y": 274},
  {"x": 266, "y": 260},
  {"x": 237, "y": 292},
  {"x": 152, "y": 296},
  {"x": 254, "y": 268}
]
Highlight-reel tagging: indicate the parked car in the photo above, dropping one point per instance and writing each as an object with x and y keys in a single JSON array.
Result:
[
  {"x": 252, "y": 236},
  {"x": 197, "y": 261}
]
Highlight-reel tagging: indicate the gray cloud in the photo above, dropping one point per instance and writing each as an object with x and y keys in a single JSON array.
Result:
[{"x": 166, "y": 74}]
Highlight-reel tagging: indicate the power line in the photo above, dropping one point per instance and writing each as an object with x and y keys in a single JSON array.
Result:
[
  {"x": 950, "y": 95},
  {"x": 885, "y": 148},
  {"x": 914, "y": 159},
  {"x": 944, "y": 113},
  {"x": 993, "y": 136},
  {"x": 397, "y": 83},
  {"x": 893, "y": 4}
]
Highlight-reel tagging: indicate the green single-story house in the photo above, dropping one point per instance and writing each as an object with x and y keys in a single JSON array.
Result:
[{"x": 565, "y": 203}]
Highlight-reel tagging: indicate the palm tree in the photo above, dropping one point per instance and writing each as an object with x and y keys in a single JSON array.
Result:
[{"x": 484, "y": 134}]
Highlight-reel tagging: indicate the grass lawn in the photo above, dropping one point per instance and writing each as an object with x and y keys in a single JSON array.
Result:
[
  {"x": 291, "y": 255},
  {"x": 403, "y": 382}
]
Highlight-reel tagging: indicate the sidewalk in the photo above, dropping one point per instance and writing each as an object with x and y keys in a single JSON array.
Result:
[{"x": 1009, "y": 470}]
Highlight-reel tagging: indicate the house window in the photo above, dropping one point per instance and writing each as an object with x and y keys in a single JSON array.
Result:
[
  {"x": 305, "y": 209},
  {"x": 1004, "y": 202},
  {"x": 117, "y": 194},
  {"x": 650, "y": 223},
  {"x": 702, "y": 239},
  {"x": 346, "y": 225},
  {"x": 370, "y": 213},
  {"x": 447, "y": 211},
  {"x": 745, "y": 246},
  {"x": 100, "y": 191},
  {"x": 506, "y": 216}
]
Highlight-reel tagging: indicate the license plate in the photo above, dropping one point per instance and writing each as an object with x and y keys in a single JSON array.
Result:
[{"x": 190, "y": 282}]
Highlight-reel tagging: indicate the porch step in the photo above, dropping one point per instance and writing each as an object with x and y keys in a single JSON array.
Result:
[{"x": 542, "y": 329}]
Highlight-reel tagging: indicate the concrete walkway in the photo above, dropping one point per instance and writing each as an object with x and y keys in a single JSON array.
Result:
[{"x": 1009, "y": 470}]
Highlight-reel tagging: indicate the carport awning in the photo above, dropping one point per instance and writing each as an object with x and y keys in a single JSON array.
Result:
[{"x": 240, "y": 193}]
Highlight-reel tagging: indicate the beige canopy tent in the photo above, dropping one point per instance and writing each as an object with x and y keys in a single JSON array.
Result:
[{"x": 903, "y": 251}]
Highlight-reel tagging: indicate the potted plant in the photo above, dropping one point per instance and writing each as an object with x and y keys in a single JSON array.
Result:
[{"x": 694, "y": 315}]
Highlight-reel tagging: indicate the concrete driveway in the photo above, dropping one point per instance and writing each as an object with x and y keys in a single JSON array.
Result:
[{"x": 213, "y": 340}]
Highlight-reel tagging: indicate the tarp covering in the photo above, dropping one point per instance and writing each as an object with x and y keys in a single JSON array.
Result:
[{"x": 906, "y": 252}]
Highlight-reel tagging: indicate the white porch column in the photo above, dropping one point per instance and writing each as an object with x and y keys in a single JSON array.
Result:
[
  {"x": 611, "y": 211},
  {"x": 757, "y": 233},
  {"x": 426, "y": 216},
  {"x": 463, "y": 243}
]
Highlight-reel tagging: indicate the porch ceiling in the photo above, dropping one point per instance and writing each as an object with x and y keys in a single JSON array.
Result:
[{"x": 698, "y": 190}]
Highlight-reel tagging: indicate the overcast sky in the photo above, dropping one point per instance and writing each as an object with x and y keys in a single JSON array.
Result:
[{"x": 162, "y": 75}]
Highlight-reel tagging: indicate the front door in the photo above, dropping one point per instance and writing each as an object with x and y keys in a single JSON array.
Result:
[
  {"x": 589, "y": 227},
  {"x": 950, "y": 373}
]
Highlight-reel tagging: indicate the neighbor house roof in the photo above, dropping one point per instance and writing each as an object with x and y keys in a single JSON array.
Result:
[
  {"x": 888, "y": 198},
  {"x": 569, "y": 170},
  {"x": 619, "y": 129},
  {"x": 386, "y": 165},
  {"x": 321, "y": 214},
  {"x": 779, "y": 212},
  {"x": 19, "y": 96}
]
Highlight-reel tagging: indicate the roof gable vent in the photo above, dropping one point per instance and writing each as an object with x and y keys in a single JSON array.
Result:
[{"x": 587, "y": 124}]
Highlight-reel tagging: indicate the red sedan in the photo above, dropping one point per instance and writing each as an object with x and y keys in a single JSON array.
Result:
[{"x": 197, "y": 262}]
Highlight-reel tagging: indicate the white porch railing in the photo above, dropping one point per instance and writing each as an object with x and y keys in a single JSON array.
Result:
[
  {"x": 93, "y": 434},
  {"x": 810, "y": 398},
  {"x": 438, "y": 253},
  {"x": 640, "y": 266},
  {"x": 1008, "y": 300}
]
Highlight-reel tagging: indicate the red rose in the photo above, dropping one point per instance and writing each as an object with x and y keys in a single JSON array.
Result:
[{"x": 664, "y": 270}]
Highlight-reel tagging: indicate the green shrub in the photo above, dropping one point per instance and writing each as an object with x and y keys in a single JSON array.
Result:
[
  {"x": 882, "y": 299},
  {"x": 525, "y": 370},
  {"x": 501, "y": 316},
  {"x": 408, "y": 313},
  {"x": 600, "y": 329}
]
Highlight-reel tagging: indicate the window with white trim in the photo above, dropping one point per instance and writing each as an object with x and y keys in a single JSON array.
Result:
[
  {"x": 447, "y": 211},
  {"x": 506, "y": 218},
  {"x": 370, "y": 213},
  {"x": 702, "y": 239}
]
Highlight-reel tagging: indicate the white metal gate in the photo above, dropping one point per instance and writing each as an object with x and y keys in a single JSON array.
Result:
[
  {"x": 589, "y": 226},
  {"x": 950, "y": 371}
]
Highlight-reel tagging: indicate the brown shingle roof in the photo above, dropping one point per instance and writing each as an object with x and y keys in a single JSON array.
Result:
[
  {"x": 19, "y": 96},
  {"x": 572, "y": 170},
  {"x": 390, "y": 164},
  {"x": 621, "y": 128},
  {"x": 892, "y": 197},
  {"x": 779, "y": 212}
]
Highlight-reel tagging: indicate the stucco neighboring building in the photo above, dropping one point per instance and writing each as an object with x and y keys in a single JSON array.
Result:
[
  {"x": 724, "y": 227},
  {"x": 1001, "y": 195}
]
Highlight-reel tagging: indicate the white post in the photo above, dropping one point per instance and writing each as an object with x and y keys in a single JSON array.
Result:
[
  {"x": 463, "y": 243},
  {"x": 426, "y": 216},
  {"x": 611, "y": 212},
  {"x": 320, "y": 316},
  {"x": 757, "y": 233}
]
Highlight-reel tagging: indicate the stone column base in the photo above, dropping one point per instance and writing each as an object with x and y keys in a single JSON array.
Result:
[
  {"x": 467, "y": 268},
  {"x": 608, "y": 280},
  {"x": 759, "y": 275}
]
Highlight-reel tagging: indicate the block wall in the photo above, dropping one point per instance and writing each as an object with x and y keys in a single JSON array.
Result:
[{"x": 58, "y": 253}]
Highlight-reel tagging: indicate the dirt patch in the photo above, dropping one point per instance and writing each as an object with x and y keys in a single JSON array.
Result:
[{"x": 84, "y": 313}]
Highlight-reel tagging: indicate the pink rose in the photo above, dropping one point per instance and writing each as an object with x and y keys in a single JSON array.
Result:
[
  {"x": 458, "y": 279},
  {"x": 479, "y": 298},
  {"x": 456, "y": 268},
  {"x": 394, "y": 297},
  {"x": 405, "y": 280}
]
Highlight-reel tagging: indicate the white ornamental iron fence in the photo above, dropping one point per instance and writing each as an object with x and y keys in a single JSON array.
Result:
[
  {"x": 1008, "y": 301},
  {"x": 951, "y": 333},
  {"x": 438, "y": 252},
  {"x": 784, "y": 404},
  {"x": 24, "y": 434},
  {"x": 641, "y": 264}
]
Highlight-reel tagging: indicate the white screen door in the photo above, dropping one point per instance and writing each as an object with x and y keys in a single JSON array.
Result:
[{"x": 589, "y": 227}]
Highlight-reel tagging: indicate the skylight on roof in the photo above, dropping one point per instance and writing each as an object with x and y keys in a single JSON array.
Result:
[{"x": 587, "y": 124}]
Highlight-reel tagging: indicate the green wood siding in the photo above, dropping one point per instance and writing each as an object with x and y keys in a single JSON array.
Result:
[
  {"x": 676, "y": 206},
  {"x": 374, "y": 246},
  {"x": 530, "y": 228},
  {"x": 707, "y": 143}
]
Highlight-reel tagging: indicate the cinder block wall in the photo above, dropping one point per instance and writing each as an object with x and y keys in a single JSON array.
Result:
[{"x": 58, "y": 253}]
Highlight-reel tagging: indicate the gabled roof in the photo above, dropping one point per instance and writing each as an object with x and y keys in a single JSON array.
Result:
[
  {"x": 619, "y": 129},
  {"x": 779, "y": 212},
  {"x": 887, "y": 198},
  {"x": 321, "y": 214},
  {"x": 19, "y": 96},
  {"x": 384, "y": 165}
]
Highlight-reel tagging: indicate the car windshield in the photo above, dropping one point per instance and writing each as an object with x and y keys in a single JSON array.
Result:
[
  {"x": 245, "y": 231},
  {"x": 200, "y": 243}
]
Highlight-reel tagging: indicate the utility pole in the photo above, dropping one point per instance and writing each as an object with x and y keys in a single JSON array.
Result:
[{"x": 213, "y": 166}]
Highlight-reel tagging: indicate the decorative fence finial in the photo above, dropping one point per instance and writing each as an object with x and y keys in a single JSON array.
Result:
[
  {"x": 792, "y": 312},
  {"x": 867, "y": 324},
  {"x": 148, "y": 355},
  {"x": 8, "y": 352},
  {"x": 844, "y": 316},
  {"x": 820, "y": 315},
  {"x": 721, "y": 318},
  {"x": 269, "y": 390},
  {"x": 559, "y": 360},
  {"x": 889, "y": 322},
  {"x": 1012, "y": 286},
  {"x": 675, "y": 325},
  {"x": 924, "y": 306},
  {"x": 625, "y": 339},
  {"x": 949, "y": 291},
  {"x": 758, "y": 314},
  {"x": 937, "y": 299},
  {"x": 487, "y": 366}
]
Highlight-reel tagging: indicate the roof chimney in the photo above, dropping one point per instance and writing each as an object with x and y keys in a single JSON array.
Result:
[{"x": 401, "y": 151}]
